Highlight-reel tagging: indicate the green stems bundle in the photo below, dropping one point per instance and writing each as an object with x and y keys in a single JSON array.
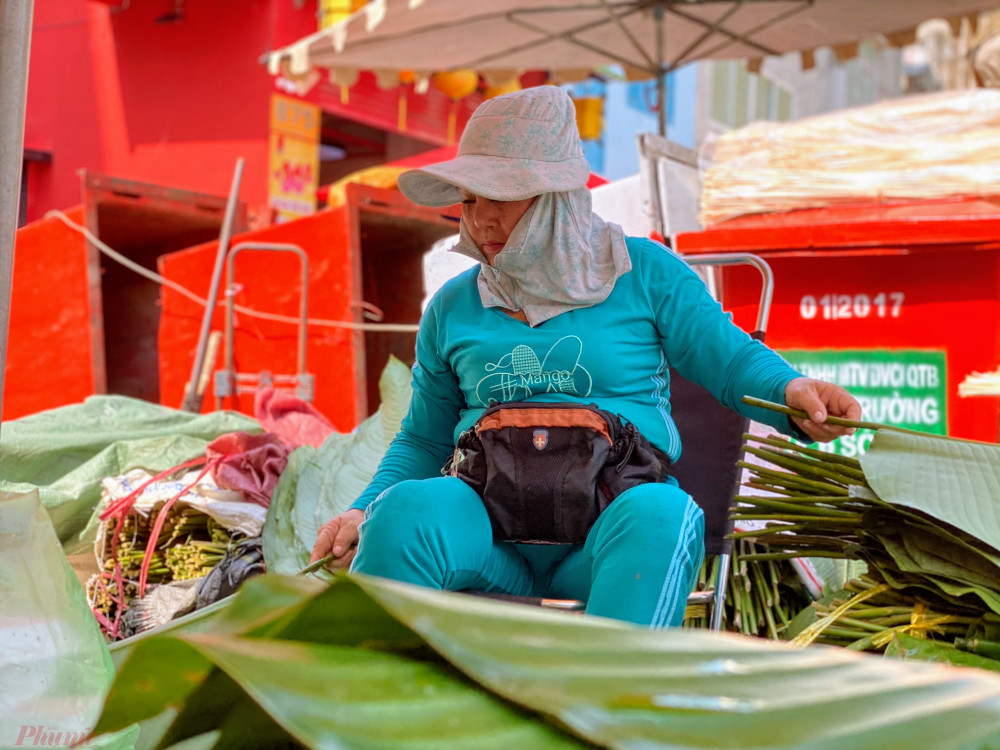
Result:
[
  {"x": 925, "y": 578},
  {"x": 189, "y": 544},
  {"x": 194, "y": 559},
  {"x": 809, "y": 509},
  {"x": 761, "y": 600},
  {"x": 761, "y": 595},
  {"x": 184, "y": 524}
]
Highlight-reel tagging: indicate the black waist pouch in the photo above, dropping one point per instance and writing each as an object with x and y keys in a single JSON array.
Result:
[{"x": 546, "y": 471}]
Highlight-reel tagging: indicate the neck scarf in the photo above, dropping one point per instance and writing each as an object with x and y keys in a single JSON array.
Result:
[{"x": 561, "y": 256}]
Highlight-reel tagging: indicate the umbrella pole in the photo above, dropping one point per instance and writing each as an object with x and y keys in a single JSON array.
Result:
[
  {"x": 661, "y": 103},
  {"x": 661, "y": 74},
  {"x": 15, "y": 41}
]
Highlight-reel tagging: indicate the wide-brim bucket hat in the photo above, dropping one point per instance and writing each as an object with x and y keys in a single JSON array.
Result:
[{"x": 514, "y": 147}]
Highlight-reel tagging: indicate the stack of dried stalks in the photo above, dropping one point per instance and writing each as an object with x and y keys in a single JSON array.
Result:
[{"x": 926, "y": 147}]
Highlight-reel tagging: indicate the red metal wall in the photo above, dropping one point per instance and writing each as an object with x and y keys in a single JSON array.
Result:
[
  {"x": 270, "y": 283},
  {"x": 113, "y": 91},
  {"x": 49, "y": 357},
  {"x": 890, "y": 279}
]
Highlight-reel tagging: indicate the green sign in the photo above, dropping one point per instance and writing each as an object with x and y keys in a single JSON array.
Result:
[{"x": 900, "y": 387}]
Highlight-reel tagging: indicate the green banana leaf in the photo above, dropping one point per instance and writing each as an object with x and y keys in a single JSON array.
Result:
[
  {"x": 368, "y": 663},
  {"x": 929, "y": 546},
  {"x": 330, "y": 667},
  {"x": 955, "y": 481},
  {"x": 314, "y": 497},
  {"x": 905, "y": 646},
  {"x": 56, "y": 667},
  {"x": 923, "y": 552},
  {"x": 620, "y": 685},
  {"x": 319, "y": 484},
  {"x": 283, "y": 550}
]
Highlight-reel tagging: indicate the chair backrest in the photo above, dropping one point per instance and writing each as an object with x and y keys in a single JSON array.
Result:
[
  {"x": 712, "y": 443},
  {"x": 712, "y": 434}
]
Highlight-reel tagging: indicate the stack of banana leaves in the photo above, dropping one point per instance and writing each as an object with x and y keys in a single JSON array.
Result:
[
  {"x": 363, "y": 664},
  {"x": 922, "y": 512}
]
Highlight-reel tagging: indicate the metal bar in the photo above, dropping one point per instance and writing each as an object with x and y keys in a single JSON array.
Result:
[
  {"x": 631, "y": 7},
  {"x": 565, "y": 37},
  {"x": 715, "y": 26},
  {"x": 436, "y": 27},
  {"x": 303, "y": 301},
  {"x": 721, "y": 582},
  {"x": 95, "y": 287},
  {"x": 15, "y": 47},
  {"x": 192, "y": 400},
  {"x": 744, "y": 259},
  {"x": 701, "y": 597},
  {"x": 744, "y": 37}
]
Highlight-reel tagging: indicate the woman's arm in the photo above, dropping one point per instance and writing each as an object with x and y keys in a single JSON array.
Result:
[
  {"x": 703, "y": 344},
  {"x": 425, "y": 439},
  {"x": 418, "y": 451}
]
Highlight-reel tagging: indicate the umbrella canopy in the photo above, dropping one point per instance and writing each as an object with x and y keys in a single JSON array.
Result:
[{"x": 571, "y": 37}]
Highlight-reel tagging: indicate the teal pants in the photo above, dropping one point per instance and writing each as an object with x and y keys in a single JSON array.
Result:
[{"x": 638, "y": 564}]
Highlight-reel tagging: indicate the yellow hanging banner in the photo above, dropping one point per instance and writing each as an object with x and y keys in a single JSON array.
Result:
[
  {"x": 293, "y": 163},
  {"x": 335, "y": 11}
]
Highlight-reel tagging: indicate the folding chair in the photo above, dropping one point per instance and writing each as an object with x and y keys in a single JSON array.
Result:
[{"x": 712, "y": 440}]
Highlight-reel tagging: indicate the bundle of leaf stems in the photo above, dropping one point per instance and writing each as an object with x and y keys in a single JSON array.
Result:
[
  {"x": 816, "y": 506},
  {"x": 809, "y": 508},
  {"x": 760, "y": 600},
  {"x": 189, "y": 544},
  {"x": 872, "y": 613},
  {"x": 194, "y": 559},
  {"x": 761, "y": 595}
]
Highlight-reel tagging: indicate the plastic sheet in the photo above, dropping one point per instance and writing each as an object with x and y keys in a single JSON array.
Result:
[
  {"x": 56, "y": 666},
  {"x": 64, "y": 453}
]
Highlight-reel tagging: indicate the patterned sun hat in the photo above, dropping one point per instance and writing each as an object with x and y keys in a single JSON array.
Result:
[{"x": 515, "y": 146}]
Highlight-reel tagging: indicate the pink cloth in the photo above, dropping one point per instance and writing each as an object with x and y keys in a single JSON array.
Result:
[
  {"x": 296, "y": 421},
  {"x": 249, "y": 464}
]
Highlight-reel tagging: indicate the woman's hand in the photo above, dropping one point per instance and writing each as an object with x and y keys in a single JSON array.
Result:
[
  {"x": 338, "y": 537},
  {"x": 820, "y": 399}
]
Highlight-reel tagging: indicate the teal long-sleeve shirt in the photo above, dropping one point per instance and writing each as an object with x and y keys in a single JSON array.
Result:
[{"x": 615, "y": 354}]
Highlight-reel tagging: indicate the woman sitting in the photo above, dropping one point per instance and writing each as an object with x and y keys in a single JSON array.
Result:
[{"x": 564, "y": 309}]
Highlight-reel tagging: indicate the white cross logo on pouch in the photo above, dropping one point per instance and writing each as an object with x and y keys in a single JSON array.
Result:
[{"x": 540, "y": 439}]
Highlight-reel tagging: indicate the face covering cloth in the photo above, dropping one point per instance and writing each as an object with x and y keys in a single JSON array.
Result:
[{"x": 561, "y": 256}]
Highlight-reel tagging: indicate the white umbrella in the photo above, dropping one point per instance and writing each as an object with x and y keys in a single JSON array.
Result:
[{"x": 649, "y": 38}]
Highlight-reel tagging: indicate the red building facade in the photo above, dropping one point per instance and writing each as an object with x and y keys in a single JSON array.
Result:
[
  {"x": 172, "y": 92},
  {"x": 136, "y": 116}
]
